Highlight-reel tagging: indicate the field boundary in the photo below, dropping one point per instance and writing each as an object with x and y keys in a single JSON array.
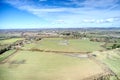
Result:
[
  {"x": 104, "y": 67},
  {"x": 41, "y": 50},
  {"x": 8, "y": 57},
  {"x": 101, "y": 76}
]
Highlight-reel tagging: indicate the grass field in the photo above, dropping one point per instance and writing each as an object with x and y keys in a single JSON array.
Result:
[
  {"x": 9, "y": 41},
  {"x": 111, "y": 59},
  {"x": 27, "y": 65},
  {"x": 71, "y": 45}
]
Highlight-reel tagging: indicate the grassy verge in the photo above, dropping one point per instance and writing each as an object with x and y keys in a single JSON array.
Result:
[
  {"x": 111, "y": 59},
  {"x": 6, "y": 54}
]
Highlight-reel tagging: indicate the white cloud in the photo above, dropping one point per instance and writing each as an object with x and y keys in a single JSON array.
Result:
[
  {"x": 89, "y": 20},
  {"x": 60, "y": 20},
  {"x": 110, "y": 20},
  {"x": 107, "y": 20},
  {"x": 96, "y": 3},
  {"x": 42, "y": 0}
]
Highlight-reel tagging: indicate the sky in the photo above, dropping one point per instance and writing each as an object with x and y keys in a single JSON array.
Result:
[{"x": 19, "y": 14}]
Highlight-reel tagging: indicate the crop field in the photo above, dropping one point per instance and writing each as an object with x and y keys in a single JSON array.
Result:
[
  {"x": 70, "y": 45},
  {"x": 28, "y": 65}
]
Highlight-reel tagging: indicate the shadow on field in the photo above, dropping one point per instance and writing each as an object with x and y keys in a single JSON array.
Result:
[{"x": 15, "y": 63}]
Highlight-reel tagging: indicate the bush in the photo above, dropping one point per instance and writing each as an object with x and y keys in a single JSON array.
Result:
[{"x": 115, "y": 46}]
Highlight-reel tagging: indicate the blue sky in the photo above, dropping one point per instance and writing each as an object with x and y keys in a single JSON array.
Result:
[{"x": 59, "y": 13}]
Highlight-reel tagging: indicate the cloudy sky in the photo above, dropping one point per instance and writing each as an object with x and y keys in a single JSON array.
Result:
[{"x": 59, "y": 13}]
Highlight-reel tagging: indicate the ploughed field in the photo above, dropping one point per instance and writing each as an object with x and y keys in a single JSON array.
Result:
[
  {"x": 32, "y": 65},
  {"x": 65, "y": 45}
]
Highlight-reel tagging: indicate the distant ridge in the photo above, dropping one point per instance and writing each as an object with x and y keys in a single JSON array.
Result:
[{"x": 39, "y": 29}]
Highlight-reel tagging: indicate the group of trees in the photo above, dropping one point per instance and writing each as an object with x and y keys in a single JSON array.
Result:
[
  {"x": 17, "y": 44},
  {"x": 98, "y": 39},
  {"x": 75, "y": 35},
  {"x": 115, "y": 46},
  {"x": 4, "y": 48}
]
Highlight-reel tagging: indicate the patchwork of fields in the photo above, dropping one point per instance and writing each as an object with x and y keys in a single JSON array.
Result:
[{"x": 25, "y": 64}]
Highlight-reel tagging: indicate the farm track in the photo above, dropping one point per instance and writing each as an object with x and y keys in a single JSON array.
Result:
[{"x": 7, "y": 58}]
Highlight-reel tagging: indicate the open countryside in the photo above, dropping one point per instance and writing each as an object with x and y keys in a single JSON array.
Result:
[
  {"x": 59, "y": 57},
  {"x": 59, "y": 39}
]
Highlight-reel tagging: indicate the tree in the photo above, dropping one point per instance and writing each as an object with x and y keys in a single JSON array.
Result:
[{"x": 115, "y": 46}]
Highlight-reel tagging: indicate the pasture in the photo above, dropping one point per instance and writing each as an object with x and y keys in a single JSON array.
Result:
[
  {"x": 9, "y": 41},
  {"x": 111, "y": 59},
  {"x": 28, "y": 65},
  {"x": 69, "y": 45}
]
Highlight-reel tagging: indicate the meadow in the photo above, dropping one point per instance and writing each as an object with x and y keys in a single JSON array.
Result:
[
  {"x": 66, "y": 45},
  {"x": 111, "y": 59},
  {"x": 28, "y": 65},
  {"x": 9, "y": 41}
]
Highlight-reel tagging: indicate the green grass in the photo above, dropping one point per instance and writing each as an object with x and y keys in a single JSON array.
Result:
[
  {"x": 113, "y": 61},
  {"x": 47, "y": 66},
  {"x": 6, "y": 54},
  {"x": 114, "y": 65},
  {"x": 9, "y": 41},
  {"x": 74, "y": 45}
]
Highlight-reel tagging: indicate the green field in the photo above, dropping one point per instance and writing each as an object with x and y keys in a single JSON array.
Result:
[
  {"x": 6, "y": 54},
  {"x": 36, "y": 65},
  {"x": 27, "y": 65},
  {"x": 9, "y": 41},
  {"x": 70, "y": 45},
  {"x": 111, "y": 59}
]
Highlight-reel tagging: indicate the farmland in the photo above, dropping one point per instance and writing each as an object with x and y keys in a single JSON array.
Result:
[
  {"x": 9, "y": 41},
  {"x": 67, "y": 56},
  {"x": 70, "y": 45},
  {"x": 45, "y": 66},
  {"x": 59, "y": 39},
  {"x": 111, "y": 59}
]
